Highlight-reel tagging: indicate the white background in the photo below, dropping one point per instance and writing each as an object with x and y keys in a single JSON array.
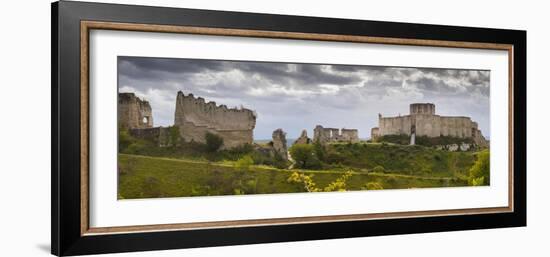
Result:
[
  {"x": 25, "y": 128},
  {"x": 106, "y": 211}
]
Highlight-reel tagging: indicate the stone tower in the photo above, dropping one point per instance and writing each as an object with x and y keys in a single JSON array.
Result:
[
  {"x": 422, "y": 108},
  {"x": 133, "y": 113},
  {"x": 279, "y": 143}
]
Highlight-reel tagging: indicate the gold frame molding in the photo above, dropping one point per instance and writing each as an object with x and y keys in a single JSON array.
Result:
[{"x": 87, "y": 26}]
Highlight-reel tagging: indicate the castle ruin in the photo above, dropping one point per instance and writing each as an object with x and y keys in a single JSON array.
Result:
[
  {"x": 327, "y": 135},
  {"x": 422, "y": 121},
  {"x": 279, "y": 143},
  {"x": 195, "y": 118},
  {"x": 134, "y": 113},
  {"x": 303, "y": 139},
  {"x": 136, "y": 116}
]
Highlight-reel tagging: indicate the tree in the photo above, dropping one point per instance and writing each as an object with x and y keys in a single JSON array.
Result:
[
  {"x": 320, "y": 150},
  {"x": 213, "y": 142},
  {"x": 304, "y": 156},
  {"x": 479, "y": 172}
]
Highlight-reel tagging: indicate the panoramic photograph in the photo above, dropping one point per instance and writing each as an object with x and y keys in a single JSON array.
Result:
[{"x": 198, "y": 127}]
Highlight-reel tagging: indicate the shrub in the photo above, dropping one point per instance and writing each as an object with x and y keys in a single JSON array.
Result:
[
  {"x": 278, "y": 161},
  {"x": 305, "y": 156},
  {"x": 306, "y": 180},
  {"x": 251, "y": 186},
  {"x": 124, "y": 139},
  {"x": 309, "y": 185},
  {"x": 320, "y": 151},
  {"x": 378, "y": 169},
  {"x": 139, "y": 147},
  {"x": 244, "y": 163},
  {"x": 238, "y": 152},
  {"x": 213, "y": 142},
  {"x": 339, "y": 184},
  {"x": 479, "y": 172}
]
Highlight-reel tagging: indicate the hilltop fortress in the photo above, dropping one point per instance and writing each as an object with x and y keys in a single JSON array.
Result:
[{"x": 422, "y": 121}]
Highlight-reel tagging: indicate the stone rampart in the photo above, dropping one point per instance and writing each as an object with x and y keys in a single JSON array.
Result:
[{"x": 195, "y": 117}]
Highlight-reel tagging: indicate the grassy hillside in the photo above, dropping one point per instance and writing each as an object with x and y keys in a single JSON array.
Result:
[
  {"x": 194, "y": 169},
  {"x": 403, "y": 159},
  {"x": 149, "y": 177}
]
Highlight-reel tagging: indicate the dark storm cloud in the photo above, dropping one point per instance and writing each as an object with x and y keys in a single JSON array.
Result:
[
  {"x": 332, "y": 95},
  {"x": 166, "y": 65},
  {"x": 156, "y": 69},
  {"x": 356, "y": 68}
]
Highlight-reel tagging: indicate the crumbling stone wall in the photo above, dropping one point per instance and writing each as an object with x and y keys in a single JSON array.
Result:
[
  {"x": 279, "y": 143},
  {"x": 374, "y": 133},
  {"x": 349, "y": 135},
  {"x": 195, "y": 117},
  {"x": 326, "y": 135},
  {"x": 303, "y": 139},
  {"x": 159, "y": 135},
  {"x": 134, "y": 113}
]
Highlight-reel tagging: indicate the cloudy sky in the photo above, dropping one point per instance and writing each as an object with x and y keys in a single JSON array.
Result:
[{"x": 295, "y": 96}]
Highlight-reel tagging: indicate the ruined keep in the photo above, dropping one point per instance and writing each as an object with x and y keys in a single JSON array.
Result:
[
  {"x": 327, "y": 135},
  {"x": 133, "y": 113},
  {"x": 422, "y": 121},
  {"x": 195, "y": 118}
]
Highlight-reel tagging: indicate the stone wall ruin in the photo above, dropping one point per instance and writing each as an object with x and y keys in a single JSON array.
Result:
[
  {"x": 133, "y": 113},
  {"x": 327, "y": 135},
  {"x": 279, "y": 143},
  {"x": 195, "y": 117}
]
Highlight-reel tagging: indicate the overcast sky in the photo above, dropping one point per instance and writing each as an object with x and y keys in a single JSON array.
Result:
[{"x": 299, "y": 96}]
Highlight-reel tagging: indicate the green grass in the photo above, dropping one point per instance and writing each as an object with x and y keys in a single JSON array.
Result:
[
  {"x": 151, "y": 177},
  {"x": 401, "y": 159}
]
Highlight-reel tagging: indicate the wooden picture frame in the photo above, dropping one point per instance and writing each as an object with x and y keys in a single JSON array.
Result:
[{"x": 71, "y": 25}]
